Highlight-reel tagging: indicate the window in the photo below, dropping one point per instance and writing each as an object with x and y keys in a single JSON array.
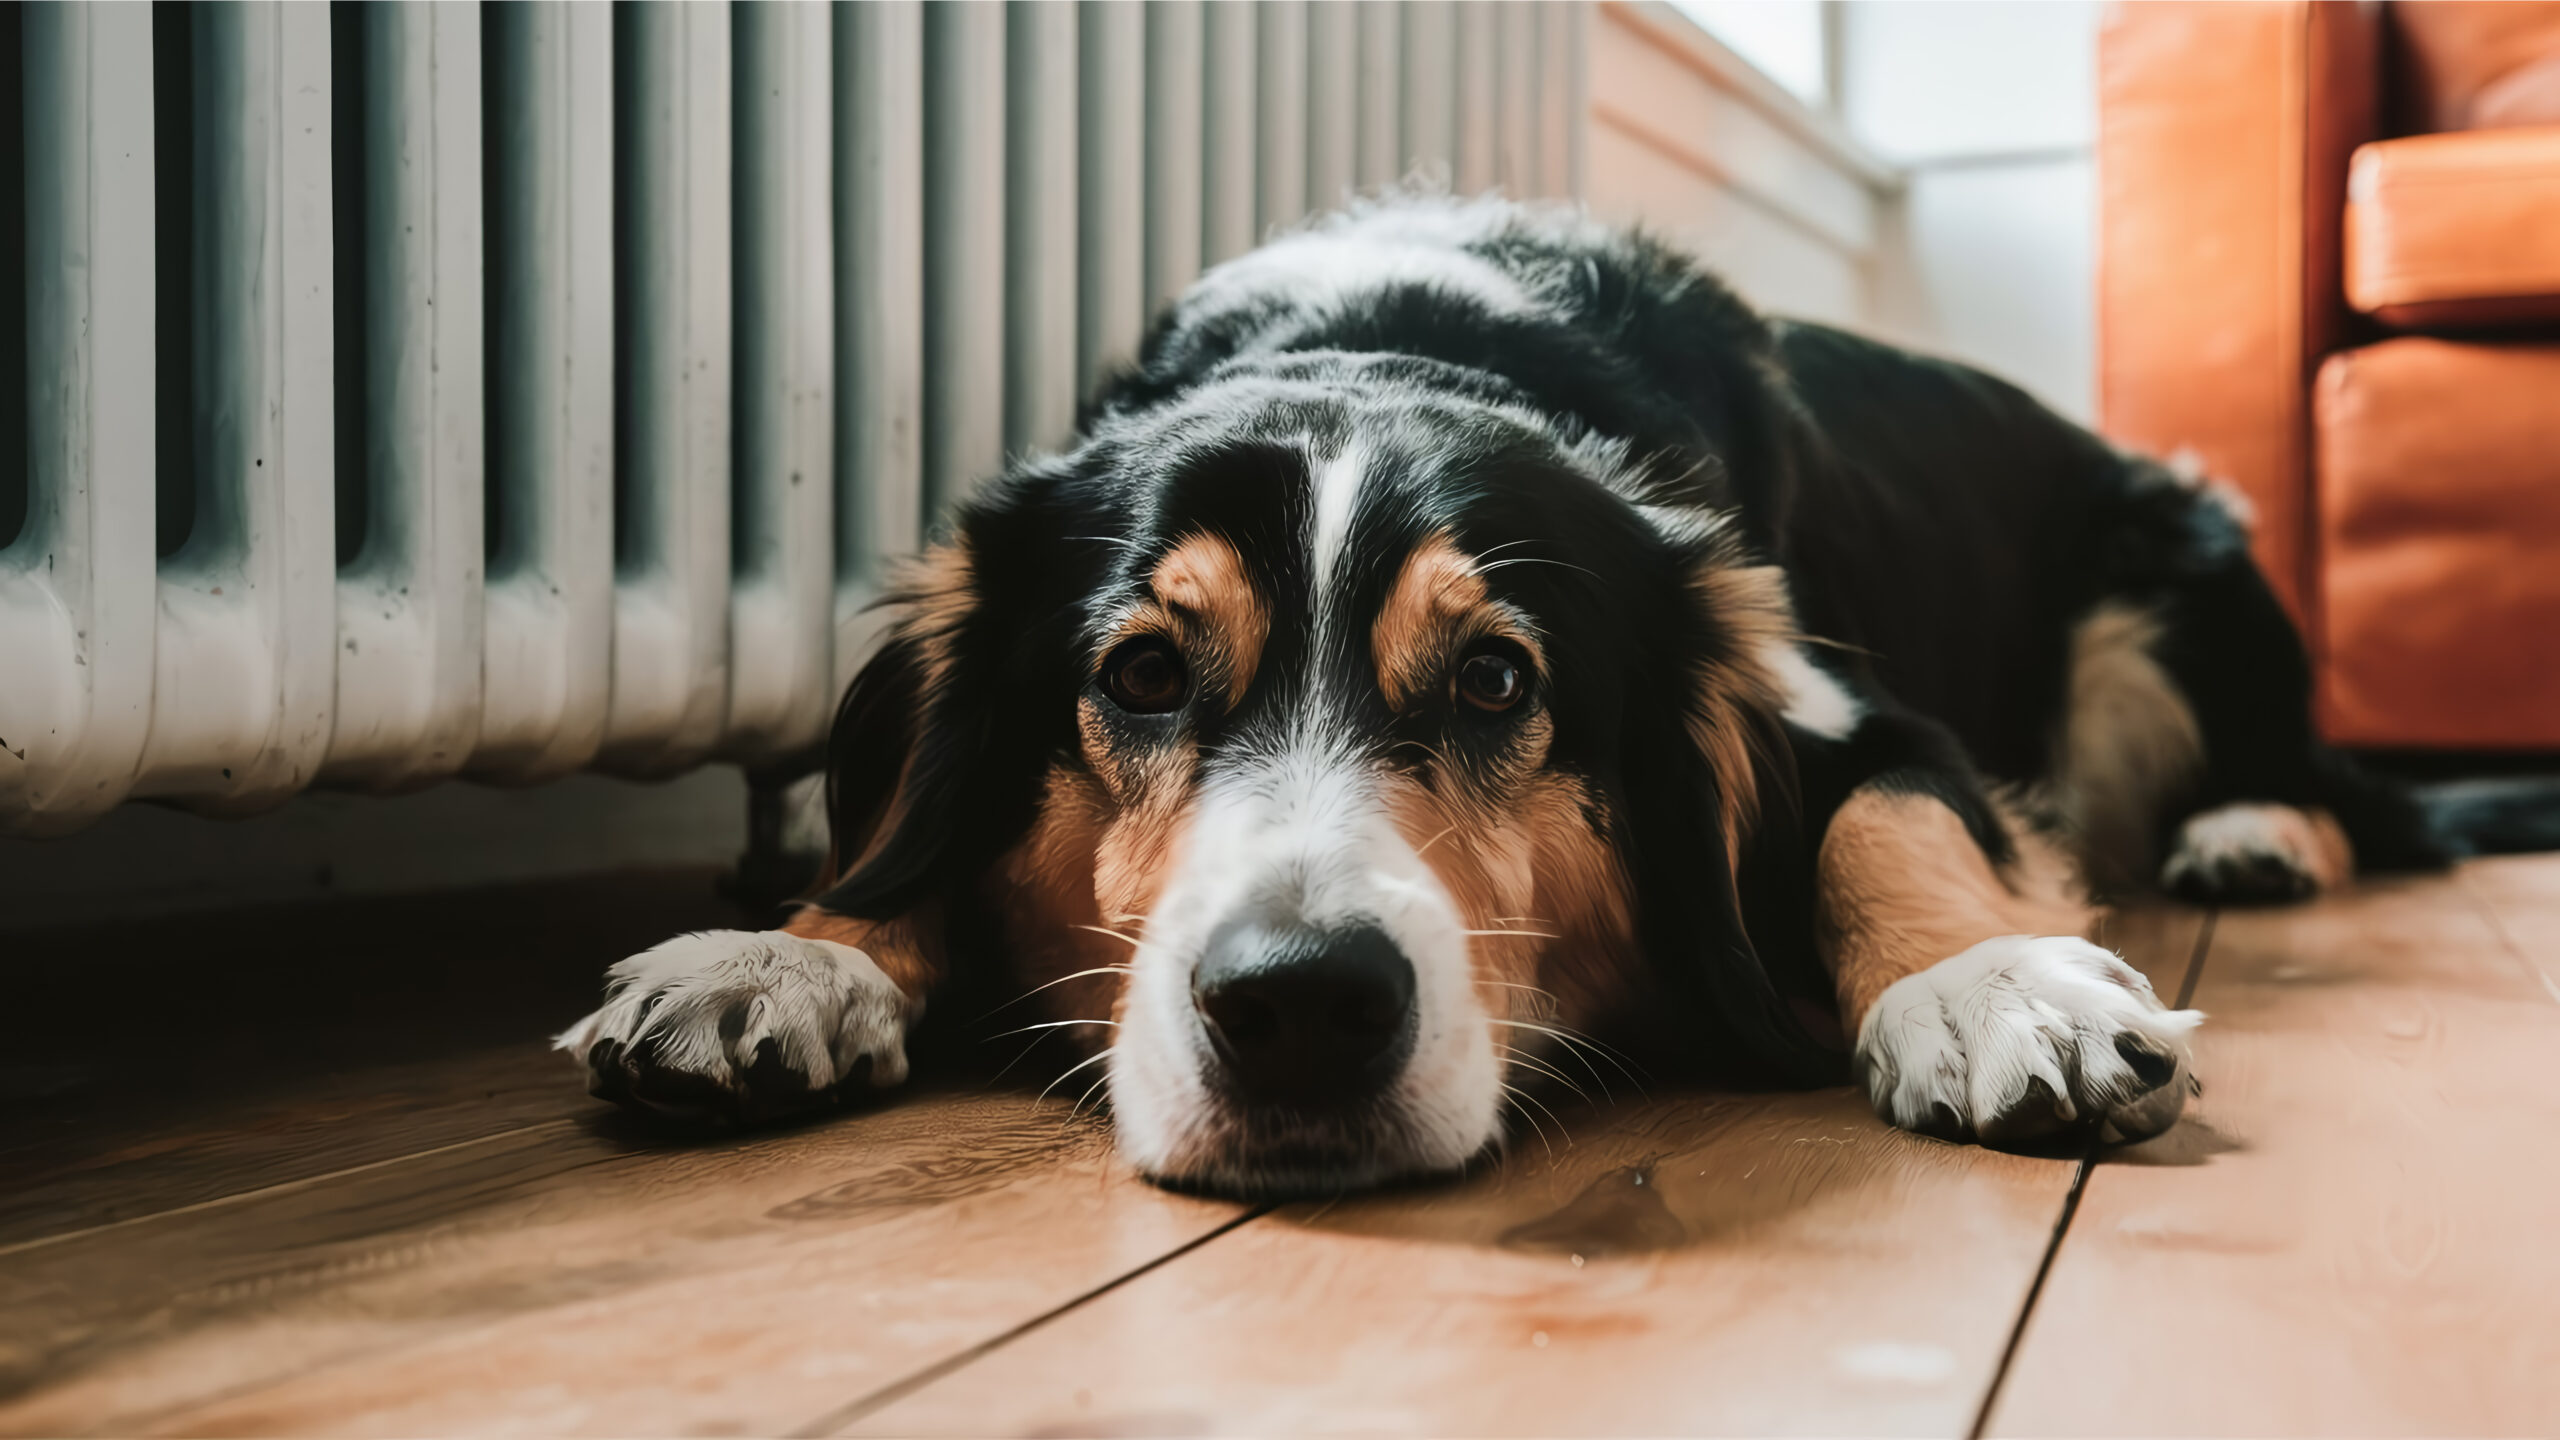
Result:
[{"x": 1783, "y": 39}]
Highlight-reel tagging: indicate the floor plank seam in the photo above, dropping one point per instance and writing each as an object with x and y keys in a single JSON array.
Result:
[
  {"x": 2071, "y": 1206},
  {"x": 282, "y": 1187},
  {"x": 837, "y": 1419},
  {"x": 2026, "y": 1311},
  {"x": 2506, "y": 938},
  {"x": 2195, "y": 961}
]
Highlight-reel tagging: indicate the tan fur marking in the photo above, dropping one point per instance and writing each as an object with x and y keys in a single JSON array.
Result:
[
  {"x": 934, "y": 595},
  {"x": 1436, "y": 595},
  {"x": 908, "y": 949},
  {"x": 2129, "y": 746},
  {"x": 936, "y": 591},
  {"x": 1534, "y": 866},
  {"x": 1902, "y": 886},
  {"x": 1074, "y": 890},
  {"x": 1204, "y": 582},
  {"x": 1736, "y": 695},
  {"x": 1053, "y": 924}
]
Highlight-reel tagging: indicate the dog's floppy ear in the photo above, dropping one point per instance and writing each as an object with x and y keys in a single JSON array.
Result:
[
  {"x": 1712, "y": 809},
  {"x": 935, "y": 760}
]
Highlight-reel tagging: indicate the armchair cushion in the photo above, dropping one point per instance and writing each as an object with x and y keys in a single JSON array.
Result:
[
  {"x": 2439, "y": 542},
  {"x": 2455, "y": 230}
]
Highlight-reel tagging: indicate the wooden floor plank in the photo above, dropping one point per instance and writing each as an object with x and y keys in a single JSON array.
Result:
[
  {"x": 553, "y": 1281},
  {"x": 264, "y": 1046},
  {"x": 1757, "y": 1263},
  {"x": 2522, "y": 896},
  {"x": 314, "y": 1127},
  {"x": 2345, "y": 1238},
  {"x": 1776, "y": 1263}
]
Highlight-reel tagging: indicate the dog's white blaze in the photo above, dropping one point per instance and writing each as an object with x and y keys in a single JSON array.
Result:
[
  {"x": 1815, "y": 700},
  {"x": 1302, "y": 832},
  {"x": 1337, "y": 494}
]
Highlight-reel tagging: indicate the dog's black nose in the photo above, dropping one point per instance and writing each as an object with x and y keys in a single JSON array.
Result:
[{"x": 1304, "y": 1016}]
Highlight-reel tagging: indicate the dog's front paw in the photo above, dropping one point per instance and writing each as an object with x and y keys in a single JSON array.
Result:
[
  {"x": 2024, "y": 1036},
  {"x": 2257, "y": 855},
  {"x": 739, "y": 1025}
]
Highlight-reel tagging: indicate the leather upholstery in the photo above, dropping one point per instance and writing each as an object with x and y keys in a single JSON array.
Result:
[
  {"x": 2474, "y": 64},
  {"x": 2456, "y": 230},
  {"x": 2439, "y": 494},
  {"x": 2413, "y": 523},
  {"x": 2218, "y": 284}
]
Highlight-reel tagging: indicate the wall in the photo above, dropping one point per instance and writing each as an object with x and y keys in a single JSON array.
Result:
[
  {"x": 144, "y": 859},
  {"x": 1688, "y": 139},
  {"x": 1989, "y": 251},
  {"x": 1934, "y": 183}
]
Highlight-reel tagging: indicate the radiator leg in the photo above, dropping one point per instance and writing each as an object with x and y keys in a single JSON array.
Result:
[{"x": 786, "y": 846}]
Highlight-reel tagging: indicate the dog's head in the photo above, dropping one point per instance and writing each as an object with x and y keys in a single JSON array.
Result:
[{"x": 1337, "y": 740}]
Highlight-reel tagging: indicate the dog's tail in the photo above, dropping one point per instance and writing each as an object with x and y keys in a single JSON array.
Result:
[{"x": 2494, "y": 817}]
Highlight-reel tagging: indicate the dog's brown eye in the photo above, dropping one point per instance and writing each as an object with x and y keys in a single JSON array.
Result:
[
  {"x": 1489, "y": 681},
  {"x": 1145, "y": 677}
]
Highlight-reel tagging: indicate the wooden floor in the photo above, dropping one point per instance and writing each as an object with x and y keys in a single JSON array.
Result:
[{"x": 380, "y": 1207}]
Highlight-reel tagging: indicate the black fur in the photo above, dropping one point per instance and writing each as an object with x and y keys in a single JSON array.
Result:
[{"x": 1940, "y": 529}]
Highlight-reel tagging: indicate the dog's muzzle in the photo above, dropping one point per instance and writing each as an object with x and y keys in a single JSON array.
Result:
[{"x": 1305, "y": 1019}]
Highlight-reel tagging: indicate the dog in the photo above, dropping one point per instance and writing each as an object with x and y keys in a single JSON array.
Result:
[{"x": 1472, "y": 644}]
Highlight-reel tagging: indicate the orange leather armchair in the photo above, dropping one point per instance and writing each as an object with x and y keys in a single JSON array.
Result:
[{"x": 2330, "y": 269}]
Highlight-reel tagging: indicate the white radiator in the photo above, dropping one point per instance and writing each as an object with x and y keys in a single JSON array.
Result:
[{"x": 547, "y": 386}]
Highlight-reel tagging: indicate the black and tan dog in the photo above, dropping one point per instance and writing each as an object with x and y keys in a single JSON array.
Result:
[{"x": 1471, "y": 628}]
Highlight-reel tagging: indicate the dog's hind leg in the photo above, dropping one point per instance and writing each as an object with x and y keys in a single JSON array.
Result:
[{"x": 2190, "y": 755}]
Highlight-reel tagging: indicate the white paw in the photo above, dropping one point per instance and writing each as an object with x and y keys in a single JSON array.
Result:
[
  {"x": 740, "y": 1025},
  {"x": 2024, "y": 1036},
  {"x": 2253, "y": 854}
]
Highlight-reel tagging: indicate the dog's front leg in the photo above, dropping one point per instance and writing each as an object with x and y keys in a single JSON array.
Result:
[
  {"x": 745, "y": 1025},
  {"x": 1980, "y": 1011}
]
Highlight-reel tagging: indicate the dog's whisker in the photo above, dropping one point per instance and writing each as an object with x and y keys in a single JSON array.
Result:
[
  {"x": 1052, "y": 1025},
  {"x": 1017, "y": 1059},
  {"x": 1517, "y": 1096},
  {"x": 1435, "y": 752},
  {"x": 1078, "y": 1107},
  {"x": 1104, "y": 1053},
  {"x": 1543, "y": 1068},
  {"x": 1080, "y": 975},
  {"x": 1515, "y": 1107},
  {"x": 1576, "y": 1045},
  {"x": 1571, "y": 1037},
  {"x": 1535, "y": 560},
  {"x": 1132, "y": 941},
  {"x": 1548, "y": 995},
  {"x": 1533, "y": 934},
  {"x": 1561, "y": 1128},
  {"x": 1061, "y": 980},
  {"x": 1434, "y": 840},
  {"x": 1582, "y": 1047}
]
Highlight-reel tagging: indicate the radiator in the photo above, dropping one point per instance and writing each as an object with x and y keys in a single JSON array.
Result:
[{"x": 417, "y": 391}]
